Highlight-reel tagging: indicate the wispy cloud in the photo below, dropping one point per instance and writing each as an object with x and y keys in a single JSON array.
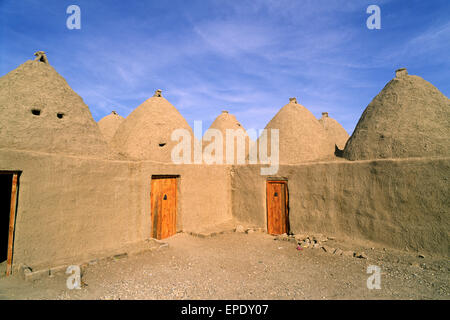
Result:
[{"x": 247, "y": 57}]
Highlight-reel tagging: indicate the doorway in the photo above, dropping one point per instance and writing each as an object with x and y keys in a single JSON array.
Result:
[
  {"x": 8, "y": 201},
  {"x": 277, "y": 207},
  {"x": 163, "y": 198}
]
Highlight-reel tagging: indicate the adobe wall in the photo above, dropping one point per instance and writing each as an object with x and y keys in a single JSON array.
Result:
[
  {"x": 72, "y": 209},
  {"x": 397, "y": 203},
  {"x": 205, "y": 195}
]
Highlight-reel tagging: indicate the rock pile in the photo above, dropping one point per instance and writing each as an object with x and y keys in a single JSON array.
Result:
[
  {"x": 306, "y": 241},
  {"x": 316, "y": 241},
  {"x": 242, "y": 229}
]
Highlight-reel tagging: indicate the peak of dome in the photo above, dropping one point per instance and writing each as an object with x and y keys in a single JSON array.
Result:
[
  {"x": 301, "y": 136},
  {"x": 146, "y": 133},
  {"x": 335, "y": 132},
  {"x": 41, "y": 57},
  {"x": 225, "y": 121},
  {"x": 109, "y": 124},
  {"x": 400, "y": 73},
  {"x": 408, "y": 118},
  {"x": 43, "y": 113}
]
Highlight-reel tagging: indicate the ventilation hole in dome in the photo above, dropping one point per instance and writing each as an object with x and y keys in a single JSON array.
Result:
[
  {"x": 36, "y": 112},
  {"x": 162, "y": 144},
  {"x": 60, "y": 115}
]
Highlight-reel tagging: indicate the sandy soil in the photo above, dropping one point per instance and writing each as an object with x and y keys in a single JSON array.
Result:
[{"x": 246, "y": 266}]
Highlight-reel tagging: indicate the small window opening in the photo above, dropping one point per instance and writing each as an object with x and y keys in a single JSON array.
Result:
[
  {"x": 162, "y": 144},
  {"x": 36, "y": 112},
  {"x": 60, "y": 115}
]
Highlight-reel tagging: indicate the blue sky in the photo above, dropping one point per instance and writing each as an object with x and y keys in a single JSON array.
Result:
[{"x": 246, "y": 56}]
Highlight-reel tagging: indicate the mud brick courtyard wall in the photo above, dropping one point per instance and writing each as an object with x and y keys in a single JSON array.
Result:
[
  {"x": 399, "y": 202},
  {"x": 72, "y": 209}
]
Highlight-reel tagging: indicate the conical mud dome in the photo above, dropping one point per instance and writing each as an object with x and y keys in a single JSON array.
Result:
[
  {"x": 335, "y": 132},
  {"x": 108, "y": 125},
  {"x": 146, "y": 133},
  {"x": 226, "y": 121},
  {"x": 408, "y": 118},
  {"x": 40, "y": 112},
  {"x": 301, "y": 136}
]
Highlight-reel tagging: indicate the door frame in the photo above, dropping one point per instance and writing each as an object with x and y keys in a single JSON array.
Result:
[
  {"x": 286, "y": 190},
  {"x": 12, "y": 217},
  {"x": 165, "y": 176}
]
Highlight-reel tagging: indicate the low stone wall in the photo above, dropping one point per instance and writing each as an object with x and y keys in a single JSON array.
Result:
[{"x": 399, "y": 203}]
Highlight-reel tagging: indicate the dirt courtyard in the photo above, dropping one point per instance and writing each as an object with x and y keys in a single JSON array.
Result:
[{"x": 246, "y": 266}]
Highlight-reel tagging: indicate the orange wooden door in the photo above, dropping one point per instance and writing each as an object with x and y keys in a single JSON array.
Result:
[
  {"x": 12, "y": 217},
  {"x": 164, "y": 207},
  {"x": 277, "y": 207}
]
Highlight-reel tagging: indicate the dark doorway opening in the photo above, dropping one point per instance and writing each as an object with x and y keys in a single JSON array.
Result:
[
  {"x": 5, "y": 207},
  {"x": 9, "y": 183}
]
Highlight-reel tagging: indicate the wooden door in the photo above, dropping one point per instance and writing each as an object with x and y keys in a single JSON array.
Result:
[
  {"x": 277, "y": 207},
  {"x": 163, "y": 207},
  {"x": 12, "y": 222}
]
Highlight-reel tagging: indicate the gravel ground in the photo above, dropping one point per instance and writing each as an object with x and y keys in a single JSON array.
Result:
[{"x": 246, "y": 266}]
